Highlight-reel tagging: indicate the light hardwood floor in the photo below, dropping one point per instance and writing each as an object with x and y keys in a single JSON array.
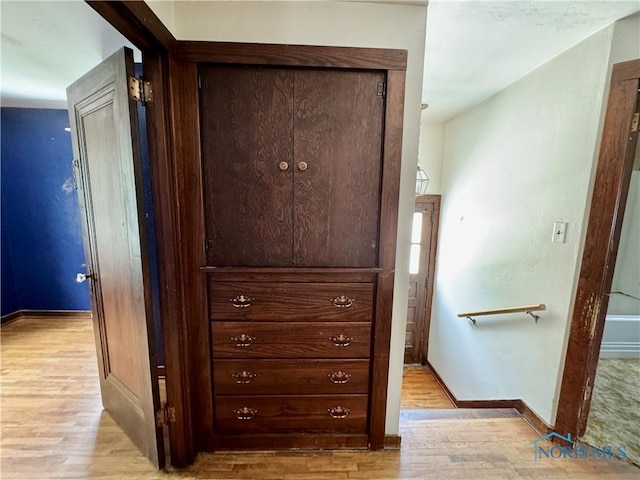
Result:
[
  {"x": 53, "y": 427},
  {"x": 420, "y": 389}
]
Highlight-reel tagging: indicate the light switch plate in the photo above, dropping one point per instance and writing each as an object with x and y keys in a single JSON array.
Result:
[{"x": 559, "y": 232}]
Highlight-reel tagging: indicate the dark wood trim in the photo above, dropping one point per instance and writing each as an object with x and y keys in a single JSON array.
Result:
[
  {"x": 435, "y": 228},
  {"x": 186, "y": 144},
  {"x": 440, "y": 382},
  {"x": 137, "y": 22},
  {"x": 626, "y": 71},
  {"x": 392, "y": 442},
  {"x": 381, "y": 342},
  {"x": 613, "y": 174},
  {"x": 533, "y": 419},
  {"x": 291, "y": 55},
  {"x": 12, "y": 317},
  {"x": 163, "y": 174},
  {"x": 299, "y": 271},
  {"x": 518, "y": 404},
  {"x": 282, "y": 441},
  {"x": 269, "y": 275}
]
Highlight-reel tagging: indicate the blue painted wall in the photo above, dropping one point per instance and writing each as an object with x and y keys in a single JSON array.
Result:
[
  {"x": 41, "y": 234},
  {"x": 9, "y": 295}
]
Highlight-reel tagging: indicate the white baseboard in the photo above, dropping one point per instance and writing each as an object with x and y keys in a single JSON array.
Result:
[{"x": 620, "y": 350}]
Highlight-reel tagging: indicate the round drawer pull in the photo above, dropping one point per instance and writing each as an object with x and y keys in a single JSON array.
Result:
[
  {"x": 342, "y": 340},
  {"x": 241, "y": 301},
  {"x": 338, "y": 412},
  {"x": 339, "y": 377},
  {"x": 342, "y": 301},
  {"x": 303, "y": 166},
  {"x": 244, "y": 376},
  {"x": 245, "y": 413},
  {"x": 283, "y": 166},
  {"x": 243, "y": 340}
]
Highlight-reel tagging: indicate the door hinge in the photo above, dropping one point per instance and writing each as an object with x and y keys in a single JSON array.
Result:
[
  {"x": 426, "y": 282},
  {"x": 635, "y": 121},
  {"x": 382, "y": 89},
  {"x": 421, "y": 343},
  {"x": 199, "y": 82},
  {"x": 165, "y": 416},
  {"x": 140, "y": 90}
]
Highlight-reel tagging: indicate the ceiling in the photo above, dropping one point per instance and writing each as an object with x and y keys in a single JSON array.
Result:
[{"x": 474, "y": 48}]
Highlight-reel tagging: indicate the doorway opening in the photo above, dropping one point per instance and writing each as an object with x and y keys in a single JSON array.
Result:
[{"x": 420, "y": 386}]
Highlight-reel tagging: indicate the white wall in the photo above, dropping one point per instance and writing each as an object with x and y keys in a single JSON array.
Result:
[
  {"x": 431, "y": 152},
  {"x": 514, "y": 165},
  {"x": 335, "y": 24}
]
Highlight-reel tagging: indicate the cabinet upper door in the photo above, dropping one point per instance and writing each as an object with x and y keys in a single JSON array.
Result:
[
  {"x": 291, "y": 166},
  {"x": 338, "y": 118},
  {"x": 246, "y": 117}
]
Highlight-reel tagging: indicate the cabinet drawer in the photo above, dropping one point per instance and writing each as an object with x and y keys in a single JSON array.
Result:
[
  {"x": 291, "y": 301},
  {"x": 288, "y": 414},
  {"x": 291, "y": 339},
  {"x": 290, "y": 377}
]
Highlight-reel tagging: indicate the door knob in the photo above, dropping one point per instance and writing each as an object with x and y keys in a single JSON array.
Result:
[
  {"x": 303, "y": 166},
  {"x": 82, "y": 277}
]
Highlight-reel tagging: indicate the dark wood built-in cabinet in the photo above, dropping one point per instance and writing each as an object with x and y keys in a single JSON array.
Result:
[
  {"x": 275, "y": 172},
  {"x": 287, "y": 181}
]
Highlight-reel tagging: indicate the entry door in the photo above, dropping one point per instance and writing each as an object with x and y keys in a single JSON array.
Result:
[
  {"x": 421, "y": 273},
  {"x": 107, "y": 167}
]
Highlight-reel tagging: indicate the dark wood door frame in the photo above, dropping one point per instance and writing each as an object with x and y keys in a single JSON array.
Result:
[
  {"x": 425, "y": 278},
  {"x": 435, "y": 224},
  {"x": 137, "y": 22},
  {"x": 613, "y": 175}
]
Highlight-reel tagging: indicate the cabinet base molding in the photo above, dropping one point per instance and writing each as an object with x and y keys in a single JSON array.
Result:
[
  {"x": 290, "y": 441},
  {"x": 392, "y": 442}
]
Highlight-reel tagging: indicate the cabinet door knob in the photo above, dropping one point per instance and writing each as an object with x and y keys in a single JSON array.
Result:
[
  {"x": 283, "y": 166},
  {"x": 338, "y": 412},
  {"x": 303, "y": 166},
  {"x": 245, "y": 413},
  {"x": 243, "y": 340},
  {"x": 241, "y": 301},
  {"x": 341, "y": 340},
  {"x": 342, "y": 301},
  {"x": 339, "y": 377}
]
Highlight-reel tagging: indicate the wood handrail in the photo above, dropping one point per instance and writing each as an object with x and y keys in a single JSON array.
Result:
[
  {"x": 498, "y": 311},
  {"x": 528, "y": 309}
]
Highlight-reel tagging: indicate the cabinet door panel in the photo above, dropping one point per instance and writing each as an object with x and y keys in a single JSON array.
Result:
[
  {"x": 247, "y": 131},
  {"x": 338, "y": 119}
]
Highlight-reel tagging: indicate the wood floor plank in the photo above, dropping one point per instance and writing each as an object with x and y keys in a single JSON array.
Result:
[{"x": 53, "y": 427}]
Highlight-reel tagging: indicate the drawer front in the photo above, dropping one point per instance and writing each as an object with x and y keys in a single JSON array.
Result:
[
  {"x": 291, "y": 340},
  {"x": 288, "y": 414},
  {"x": 290, "y": 377},
  {"x": 350, "y": 302}
]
